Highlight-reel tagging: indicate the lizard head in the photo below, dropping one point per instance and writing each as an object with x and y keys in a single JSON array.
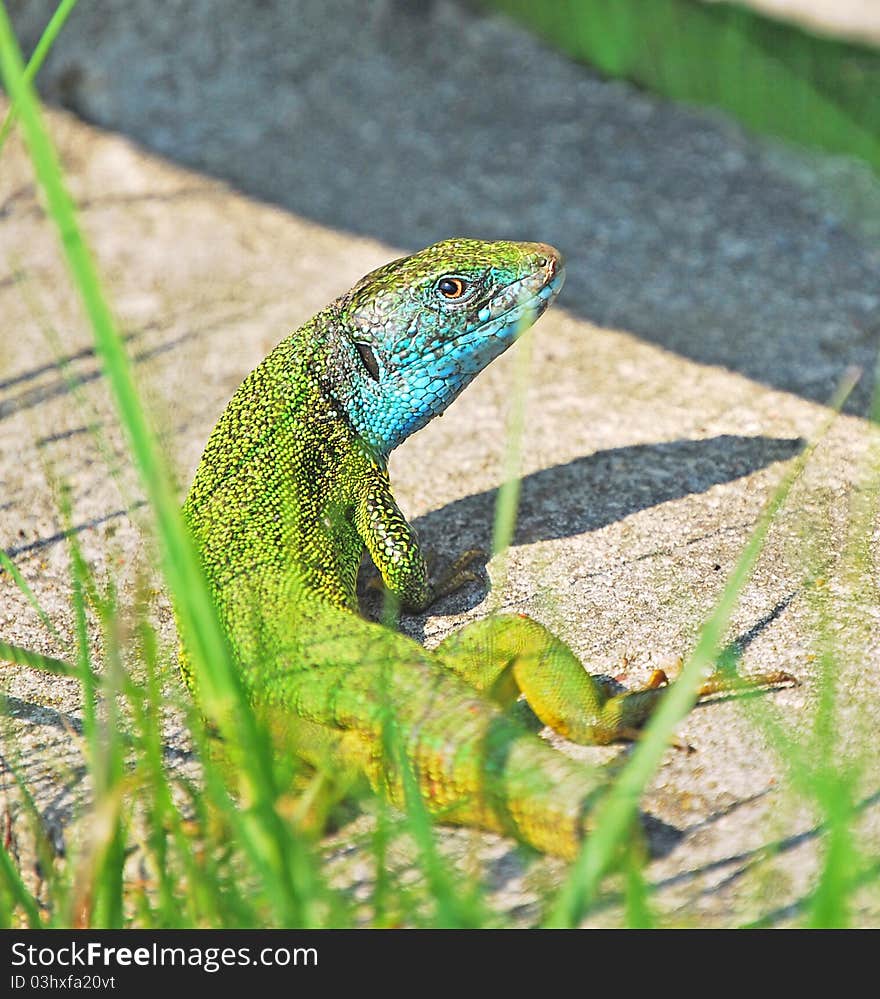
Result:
[{"x": 419, "y": 329}]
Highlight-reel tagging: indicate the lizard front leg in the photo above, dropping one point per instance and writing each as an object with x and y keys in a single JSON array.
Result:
[{"x": 395, "y": 550}]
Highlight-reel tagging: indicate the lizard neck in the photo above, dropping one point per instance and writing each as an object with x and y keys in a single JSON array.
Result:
[
  {"x": 279, "y": 476},
  {"x": 387, "y": 402}
]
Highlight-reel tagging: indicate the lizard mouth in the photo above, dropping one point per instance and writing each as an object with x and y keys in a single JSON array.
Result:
[
  {"x": 510, "y": 311},
  {"x": 520, "y": 301},
  {"x": 502, "y": 319}
]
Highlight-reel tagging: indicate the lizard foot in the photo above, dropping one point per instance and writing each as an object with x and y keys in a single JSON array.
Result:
[
  {"x": 728, "y": 682},
  {"x": 457, "y": 575}
]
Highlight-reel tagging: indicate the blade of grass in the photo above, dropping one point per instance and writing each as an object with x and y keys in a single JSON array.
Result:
[
  {"x": 292, "y": 880},
  {"x": 13, "y": 570},
  {"x": 638, "y": 914},
  {"x": 83, "y": 582},
  {"x": 616, "y": 811},
  {"x": 103, "y": 737},
  {"x": 508, "y": 495},
  {"x": 24, "y": 657},
  {"x": 47, "y": 40},
  {"x": 162, "y": 821},
  {"x": 822, "y": 767},
  {"x": 197, "y": 612},
  {"x": 19, "y": 893},
  {"x": 452, "y": 912},
  {"x": 868, "y": 876}
]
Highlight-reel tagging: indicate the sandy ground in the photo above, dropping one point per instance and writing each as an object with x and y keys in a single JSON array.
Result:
[{"x": 239, "y": 172}]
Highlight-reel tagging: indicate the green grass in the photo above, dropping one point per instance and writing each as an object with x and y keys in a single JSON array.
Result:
[
  {"x": 218, "y": 842},
  {"x": 47, "y": 40}
]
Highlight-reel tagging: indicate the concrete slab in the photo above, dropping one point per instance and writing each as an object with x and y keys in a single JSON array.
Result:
[{"x": 732, "y": 283}]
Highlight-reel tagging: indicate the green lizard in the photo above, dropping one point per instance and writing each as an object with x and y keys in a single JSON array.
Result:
[{"x": 293, "y": 486}]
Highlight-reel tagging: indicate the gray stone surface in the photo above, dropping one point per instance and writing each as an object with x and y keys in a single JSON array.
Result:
[{"x": 718, "y": 290}]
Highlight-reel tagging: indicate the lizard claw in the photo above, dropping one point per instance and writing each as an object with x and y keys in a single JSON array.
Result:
[
  {"x": 457, "y": 575},
  {"x": 722, "y": 683},
  {"x": 657, "y": 679}
]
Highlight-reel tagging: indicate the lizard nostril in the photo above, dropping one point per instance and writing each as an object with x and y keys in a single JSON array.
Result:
[{"x": 541, "y": 261}]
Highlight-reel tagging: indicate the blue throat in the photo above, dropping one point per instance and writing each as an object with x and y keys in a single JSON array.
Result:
[{"x": 422, "y": 371}]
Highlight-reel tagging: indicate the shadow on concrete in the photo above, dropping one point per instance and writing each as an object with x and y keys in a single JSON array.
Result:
[
  {"x": 584, "y": 495},
  {"x": 595, "y": 490},
  {"x": 68, "y": 373},
  {"x": 409, "y": 122},
  {"x": 598, "y": 489}
]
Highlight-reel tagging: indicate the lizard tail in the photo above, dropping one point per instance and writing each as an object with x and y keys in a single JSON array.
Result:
[{"x": 473, "y": 763}]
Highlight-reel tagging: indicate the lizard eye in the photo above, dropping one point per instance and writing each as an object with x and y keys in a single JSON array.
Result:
[{"x": 451, "y": 287}]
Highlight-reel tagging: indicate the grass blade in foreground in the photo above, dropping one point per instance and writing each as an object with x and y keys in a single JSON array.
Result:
[
  {"x": 180, "y": 563},
  {"x": 7, "y": 564},
  {"x": 47, "y": 39},
  {"x": 19, "y": 895},
  {"x": 280, "y": 856},
  {"x": 507, "y": 503},
  {"x": 615, "y": 813},
  {"x": 24, "y": 657}
]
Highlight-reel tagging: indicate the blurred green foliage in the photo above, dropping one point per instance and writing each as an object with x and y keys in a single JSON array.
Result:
[{"x": 775, "y": 77}]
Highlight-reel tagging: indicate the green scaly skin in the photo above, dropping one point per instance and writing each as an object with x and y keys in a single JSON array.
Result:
[{"x": 293, "y": 486}]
